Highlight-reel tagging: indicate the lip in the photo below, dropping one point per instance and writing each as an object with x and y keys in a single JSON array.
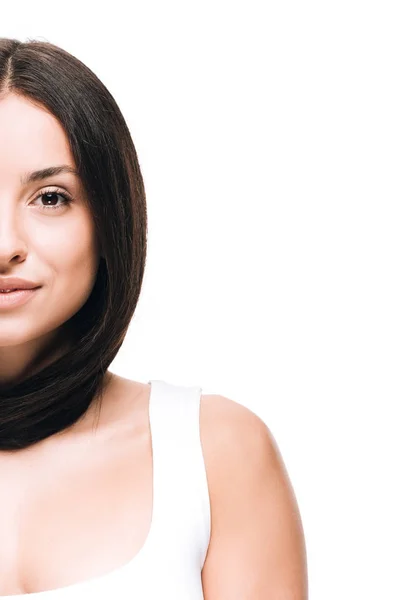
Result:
[
  {"x": 17, "y": 298},
  {"x": 16, "y": 283}
]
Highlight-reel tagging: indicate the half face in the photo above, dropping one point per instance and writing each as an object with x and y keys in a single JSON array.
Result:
[{"x": 47, "y": 232}]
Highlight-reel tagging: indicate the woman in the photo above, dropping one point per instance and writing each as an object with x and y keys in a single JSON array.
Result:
[{"x": 107, "y": 485}]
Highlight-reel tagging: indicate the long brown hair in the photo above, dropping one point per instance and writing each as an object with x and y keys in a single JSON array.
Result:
[{"x": 55, "y": 397}]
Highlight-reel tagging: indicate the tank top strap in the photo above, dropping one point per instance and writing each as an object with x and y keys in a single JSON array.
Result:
[{"x": 181, "y": 503}]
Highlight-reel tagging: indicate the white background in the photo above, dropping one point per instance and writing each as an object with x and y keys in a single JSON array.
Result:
[{"x": 269, "y": 140}]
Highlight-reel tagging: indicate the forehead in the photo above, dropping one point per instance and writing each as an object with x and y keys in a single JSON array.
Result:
[{"x": 30, "y": 138}]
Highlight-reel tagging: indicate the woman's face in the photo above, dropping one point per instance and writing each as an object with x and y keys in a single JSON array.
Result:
[{"x": 44, "y": 239}]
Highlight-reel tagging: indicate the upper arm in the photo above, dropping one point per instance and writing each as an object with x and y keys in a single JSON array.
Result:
[{"x": 257, "y": 547}]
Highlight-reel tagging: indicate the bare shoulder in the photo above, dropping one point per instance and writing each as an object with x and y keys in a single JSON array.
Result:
[
  {"x": 233, "y": 435},
  {"x": 257, "y": 547}
]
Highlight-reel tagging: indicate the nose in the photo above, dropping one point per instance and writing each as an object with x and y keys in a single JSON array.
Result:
[{"x": 13, "y": 248}]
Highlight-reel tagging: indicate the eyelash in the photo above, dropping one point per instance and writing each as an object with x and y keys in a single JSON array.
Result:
[{"x": 67, "y": 198}]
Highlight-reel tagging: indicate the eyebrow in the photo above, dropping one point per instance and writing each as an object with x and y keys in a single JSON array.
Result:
[{"x": 47, "y": 172}]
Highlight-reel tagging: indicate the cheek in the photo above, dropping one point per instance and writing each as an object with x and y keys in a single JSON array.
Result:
[
  {"x": 70, "y": 259},
  {"x": 67, "y": 245}
]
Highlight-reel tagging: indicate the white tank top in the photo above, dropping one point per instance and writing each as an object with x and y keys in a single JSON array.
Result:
[{"x": 169, "y": 564}]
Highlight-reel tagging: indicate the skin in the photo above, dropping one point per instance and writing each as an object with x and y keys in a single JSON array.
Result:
[{"x": 55, "y": 248}]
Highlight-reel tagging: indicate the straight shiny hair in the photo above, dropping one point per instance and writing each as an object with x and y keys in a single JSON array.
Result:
[{"x": 58, "y": 395}]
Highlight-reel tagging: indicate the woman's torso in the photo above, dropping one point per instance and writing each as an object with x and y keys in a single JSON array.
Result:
[{"x": 54, "y": 495}]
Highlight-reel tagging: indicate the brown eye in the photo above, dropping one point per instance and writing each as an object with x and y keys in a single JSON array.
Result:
[{"x": 50, "y": 198}]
